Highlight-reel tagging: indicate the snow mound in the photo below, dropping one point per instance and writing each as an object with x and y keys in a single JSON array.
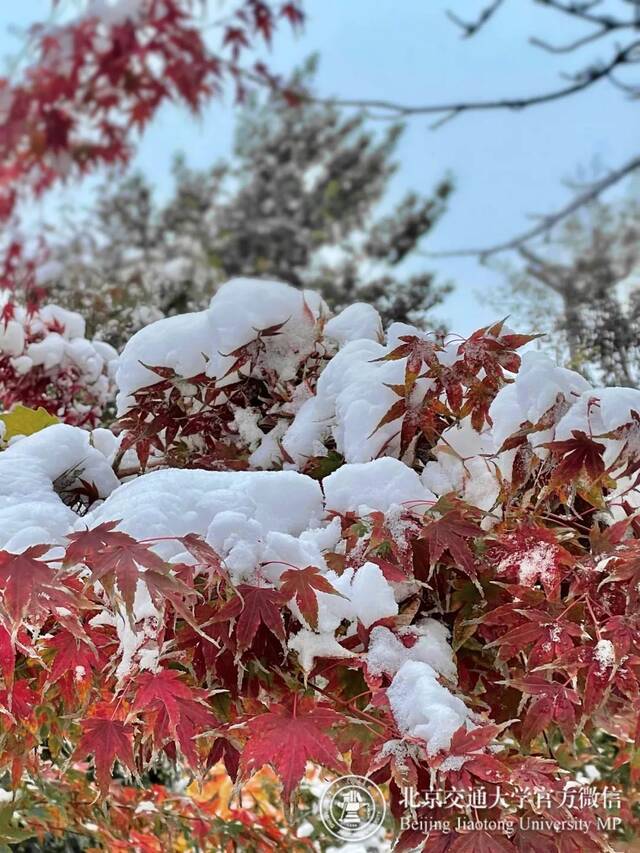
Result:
[
  {"x": 376, "y": 485},
  {"x": 31, "y": 510},
  {"x": 46, "y": 349},
  {"x": 233, "y": 511},
  {"x": 354, "y": 323},
  {"x": 205, "y": 341}
]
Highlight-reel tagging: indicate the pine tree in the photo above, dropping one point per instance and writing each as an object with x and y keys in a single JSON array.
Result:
[{"x": 297, "y": 201}]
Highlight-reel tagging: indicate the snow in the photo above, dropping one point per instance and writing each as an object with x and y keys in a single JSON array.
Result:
[
  {"x": 372, "y": 595},
  {"x": 178, "y": 342},
  {"x": 11, "y": 338},
  {"x": 114, "y": 12},
  {"x": 605, "y": 653},
  {"x": 73, "y": 324},
  {"x": 352, "y": 392},
  {"x": 204, "y": 341},
  {"x": 48, "y": 272},
  {"x": 53, "y": 339},
  {"x": 312, "y": 425},
  {"x": 537, "y": 387},
  {"x": 599, "y": 410},
  {"x": 310, "y": 646},
  {"x": 536, "y": 563},
  {"x": 175, "y": 502},
  {"x": 355, "y": 322},
  {"x": 423, "y": 708},
  {"x": 31, "y": 512},
  {"x": 463, "y": 464},
  {"x": 387, "y": 653},
  {"x": 376, "y": 485}
]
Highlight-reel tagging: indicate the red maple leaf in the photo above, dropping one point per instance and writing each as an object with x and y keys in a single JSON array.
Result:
[
  {"x": 73, "y": 658},
  {"x": 479, "y": 841},
  {"x": 30, "y": 584},
  {"x": 107, "y": 740},
  {"x": 116, "y": 559},
  {"x": 302, "y": 585},
  {"x": 181, "y": 711},
  {"x": 254, "y": 606},
  {"x": 204, "y": 554},
  {"x": 530, "y": 554},
  {"x": 288, "y": 737},
  {"x": 450, "y": 533},
  {"x": 575, "y": 455}
]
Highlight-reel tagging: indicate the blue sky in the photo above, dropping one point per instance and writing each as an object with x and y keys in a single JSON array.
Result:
[{"x": 507, "y": 166}]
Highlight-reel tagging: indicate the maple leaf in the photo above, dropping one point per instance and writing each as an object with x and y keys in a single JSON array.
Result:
[
  {"x": 464, "y": 741},
  {"x": 30, "y": 584},
  {"x": 539, "y": 715},
  {"x": 73, "y": 657},
  {"x": 450, "y": 533},
  {"x": 530, "y": 554},
  {"x": 7, "y": 655},
  {"x": 223, "y": 750},
  {"x": 302, "y": 585},
  {"x": 182, "y": 712},
  {"x": 254, "y": 606},
  {"x": 116, "y": 559},
  {"x": 20, "y": 702},
  {"x": 287, "y": 737},
  {"x": 204, "y": 554},
  {"x": 107, "y": 740},
  {"x": 555, "y": 702},
  {"x": 396, "y": 411},
  {"x": 575, "y": 455}
]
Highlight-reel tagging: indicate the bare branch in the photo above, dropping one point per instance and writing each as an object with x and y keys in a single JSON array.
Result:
[
  {"x": 581, "y": 82},
  {"x": 550, "y": 220},
  {"x": 580, "y": 42},
  {"x": 470, "y": 28},
  {"x": 554, "y": 276},
  {"x": 581, "y": 11}
]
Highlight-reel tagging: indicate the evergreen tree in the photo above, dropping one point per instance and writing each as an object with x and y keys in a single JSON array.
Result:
[{"x": 297, "y": 201}]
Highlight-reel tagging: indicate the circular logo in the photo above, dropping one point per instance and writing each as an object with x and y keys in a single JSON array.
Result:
[{"x": 352, "y": 808}]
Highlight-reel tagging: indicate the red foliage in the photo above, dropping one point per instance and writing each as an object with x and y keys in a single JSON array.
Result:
[{"x": 95, "y": 82}]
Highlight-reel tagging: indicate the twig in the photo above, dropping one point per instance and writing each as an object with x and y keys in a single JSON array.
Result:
[
  {"x": 450, "y": 110},
  {"x": 470, "y": 28},
  {"x": 550, "y": 220}
]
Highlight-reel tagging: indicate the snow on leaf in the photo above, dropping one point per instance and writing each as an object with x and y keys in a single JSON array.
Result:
[{"x": 302, "y": 585}]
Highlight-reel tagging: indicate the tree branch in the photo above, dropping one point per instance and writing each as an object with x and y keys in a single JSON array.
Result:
[
  {"x": 550, "y": 220},
  {"x": 470, "y": 28},
  {"x": 583, "y": 81},
  {"x": 551, "y": 275},
  {"x": 580, "y": 42}
]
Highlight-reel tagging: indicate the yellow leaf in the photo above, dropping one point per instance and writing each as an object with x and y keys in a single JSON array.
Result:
[{"x": 24, "y": 421}]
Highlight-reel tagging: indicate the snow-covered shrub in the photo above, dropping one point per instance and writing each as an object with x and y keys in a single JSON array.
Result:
[
  {"x": 375, "y": 551},
  {"x": 46, "y": 360}
]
